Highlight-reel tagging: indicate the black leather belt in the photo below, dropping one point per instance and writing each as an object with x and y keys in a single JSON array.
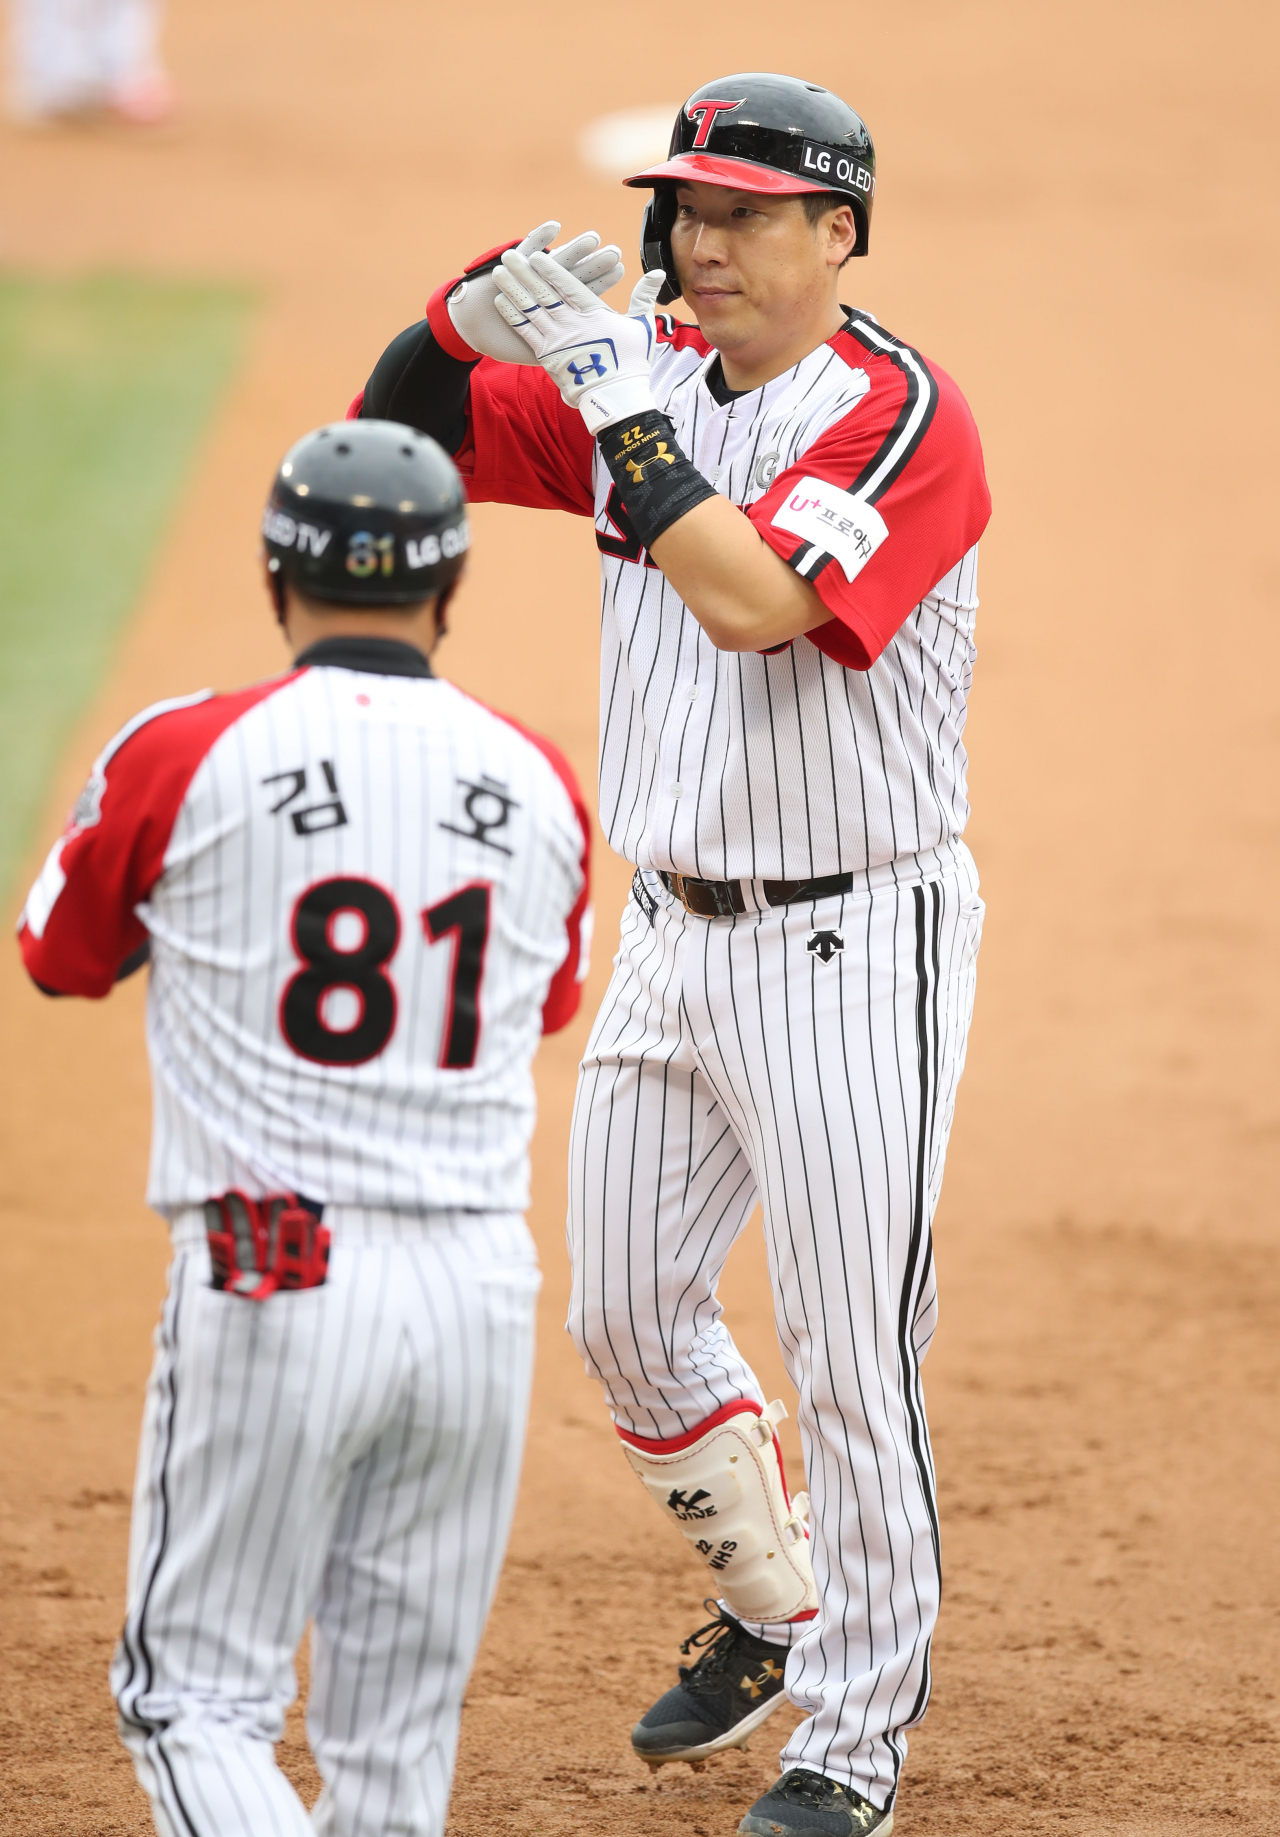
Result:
[{"x": 723, "y": 898}]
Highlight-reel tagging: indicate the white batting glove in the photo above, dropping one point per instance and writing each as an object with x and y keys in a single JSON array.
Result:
[
  {"x": 599, "y": 359},
  {"x": 471, "y": 303}
]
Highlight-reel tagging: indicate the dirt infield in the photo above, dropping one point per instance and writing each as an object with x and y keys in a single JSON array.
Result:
[{"x": 1073, "y": 218}]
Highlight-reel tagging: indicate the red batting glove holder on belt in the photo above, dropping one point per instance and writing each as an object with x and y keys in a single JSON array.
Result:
[{"x": 260, "y": 1245}]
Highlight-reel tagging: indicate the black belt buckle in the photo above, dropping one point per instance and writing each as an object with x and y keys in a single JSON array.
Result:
[{"x": 707, "y": 898}]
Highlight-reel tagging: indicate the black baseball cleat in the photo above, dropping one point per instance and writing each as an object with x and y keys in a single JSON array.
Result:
[
  {"x": 721, "y": 1699},
  {"x": 804, "y": 1804}
]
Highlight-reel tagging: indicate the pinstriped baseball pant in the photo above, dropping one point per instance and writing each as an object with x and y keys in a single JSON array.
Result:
[
  {"x": 729, "y": 1063},
  {"x": 350, "y": 1454}
]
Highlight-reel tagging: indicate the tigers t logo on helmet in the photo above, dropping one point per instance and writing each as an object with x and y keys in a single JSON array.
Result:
[{"x": 708, "y": 110}]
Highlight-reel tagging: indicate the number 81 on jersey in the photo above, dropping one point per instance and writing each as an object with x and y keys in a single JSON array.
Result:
[{"x": 330, "y": 963}]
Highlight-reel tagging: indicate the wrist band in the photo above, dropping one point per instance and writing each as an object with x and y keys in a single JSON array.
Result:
[{"x": 658, "y": 484}]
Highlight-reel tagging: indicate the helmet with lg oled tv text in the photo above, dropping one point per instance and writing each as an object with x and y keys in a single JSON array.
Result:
[
  {"x": 763, "y": 133},
  {"x": 367, "y": 513}
]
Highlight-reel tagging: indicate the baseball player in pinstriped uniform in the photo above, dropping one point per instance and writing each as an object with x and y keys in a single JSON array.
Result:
[
  {"x": 787, "y": 500},
  {"x": 363, "y": 895}
]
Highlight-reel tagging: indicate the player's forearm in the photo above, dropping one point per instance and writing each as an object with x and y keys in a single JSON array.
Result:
[
  {"x": 743, "y": 595},
  {"x": 740, "y": 591},
  {"x": 418, "y": 382}
]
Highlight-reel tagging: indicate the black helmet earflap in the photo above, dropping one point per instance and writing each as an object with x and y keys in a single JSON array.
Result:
[{"x": 655, "y": 240}]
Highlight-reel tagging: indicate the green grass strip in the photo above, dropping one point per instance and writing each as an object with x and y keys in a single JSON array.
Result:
[{"x": 106, "y": 385}]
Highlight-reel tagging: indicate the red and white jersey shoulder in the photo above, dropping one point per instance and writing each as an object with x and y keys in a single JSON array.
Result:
[
  {"x": 366, "y": 896},
  {"x": 841, "y": 751},
  {"x": 862, "y": 467}
]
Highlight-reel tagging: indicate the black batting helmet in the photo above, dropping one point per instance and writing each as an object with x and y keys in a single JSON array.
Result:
[
  {"x": 367, "y": 513},
  {"x": 764, "y": 133}
]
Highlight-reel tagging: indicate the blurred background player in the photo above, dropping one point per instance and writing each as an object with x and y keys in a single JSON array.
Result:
[
  {"x": 363, "y": 897},
  {"x": 70, "y": 57}
]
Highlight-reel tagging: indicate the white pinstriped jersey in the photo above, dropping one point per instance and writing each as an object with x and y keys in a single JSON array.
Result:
[
  {"x": 844, "y": 750},
  {"x": 365, "y": 897}
]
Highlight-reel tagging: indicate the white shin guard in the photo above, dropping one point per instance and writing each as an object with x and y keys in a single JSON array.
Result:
[{"x": 725, "y": 1493}]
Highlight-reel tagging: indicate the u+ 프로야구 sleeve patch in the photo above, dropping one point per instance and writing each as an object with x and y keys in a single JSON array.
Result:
[{"x": 834, "y": 520}]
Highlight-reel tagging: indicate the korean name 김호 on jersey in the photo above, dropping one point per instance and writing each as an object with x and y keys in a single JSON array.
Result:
[
  {"x": 361, "y": 890},
  {"x": 861, "y": 467}
]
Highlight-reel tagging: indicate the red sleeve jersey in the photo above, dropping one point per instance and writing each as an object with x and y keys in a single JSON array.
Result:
[
  {"x": 523, "y": 444},
  {"x": 80, "y": 922},
  {"x": 874, "y": 512},
  {"x": 909, "y": 496},
  {"x": 365, "y": 897}
]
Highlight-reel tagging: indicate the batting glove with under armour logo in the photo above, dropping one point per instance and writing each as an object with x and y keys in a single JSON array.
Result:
[
  {"x": 468, "y": 302},
  {"x": 599, "y": 359}
]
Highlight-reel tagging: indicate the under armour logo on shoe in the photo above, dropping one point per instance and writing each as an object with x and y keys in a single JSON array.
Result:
[
  {"x": 824, "y": 944},
  {"x": 768, "y": 1673},
  {"x": 866, "y": 1814},
  {"x": 833, "y": 1802}
]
